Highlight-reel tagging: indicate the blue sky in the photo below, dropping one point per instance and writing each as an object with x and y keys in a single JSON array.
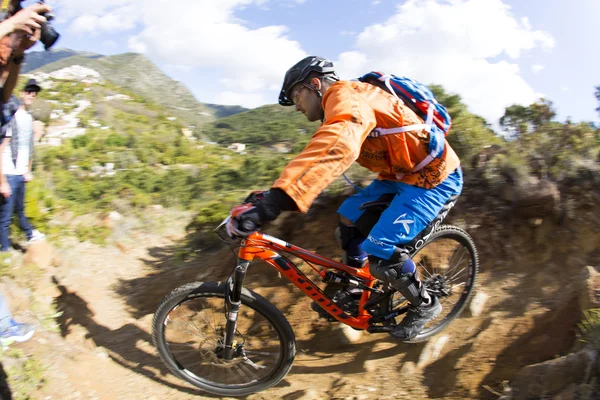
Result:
[{"x": 492, "y": 52}]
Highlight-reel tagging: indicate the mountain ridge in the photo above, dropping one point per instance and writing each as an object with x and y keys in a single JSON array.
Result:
[{"x": 137, "y": 73}]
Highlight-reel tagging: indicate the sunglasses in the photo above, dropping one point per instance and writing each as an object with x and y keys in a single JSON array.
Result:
[{"x": 296, "y": 93}]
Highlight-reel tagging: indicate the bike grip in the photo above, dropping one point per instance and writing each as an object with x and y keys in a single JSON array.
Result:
[{"x": 248, "y": 225}]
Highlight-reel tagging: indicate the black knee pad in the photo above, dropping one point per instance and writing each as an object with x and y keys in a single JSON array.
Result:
[
  {"x": 382, "y": 269},
  {"x": 388, "y": 270}
]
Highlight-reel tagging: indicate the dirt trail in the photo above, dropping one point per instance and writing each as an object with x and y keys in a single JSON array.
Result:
[{"x": 108, "y": 296}]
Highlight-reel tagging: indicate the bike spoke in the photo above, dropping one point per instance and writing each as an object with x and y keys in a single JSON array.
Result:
[
  {"x": 460, "y": 284},
  {"x": 205, "y": 318},
  {"x": 423, "y": 268},
  {"x": 259, "y": 353},
  {"x": 451, "y": 270},
  {"x": 458, "y": 279},
  {"x": 242, "y": 373},
  {"x": 455, "y": 275},
  {"x": 187, "y": 345}
]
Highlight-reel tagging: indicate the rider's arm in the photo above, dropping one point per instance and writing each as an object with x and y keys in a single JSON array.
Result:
[
  {"x": 281, "y": 199},
  {"x": 332, "y": 149}
]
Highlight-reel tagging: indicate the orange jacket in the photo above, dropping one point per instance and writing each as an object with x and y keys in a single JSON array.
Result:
[{"x": 352, "y": 111}]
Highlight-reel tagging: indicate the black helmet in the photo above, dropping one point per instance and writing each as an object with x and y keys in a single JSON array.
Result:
[{"x": 300, "y": 71}]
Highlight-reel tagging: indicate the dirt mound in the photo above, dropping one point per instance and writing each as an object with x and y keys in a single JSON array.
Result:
[{"x": 532, "y": 274}]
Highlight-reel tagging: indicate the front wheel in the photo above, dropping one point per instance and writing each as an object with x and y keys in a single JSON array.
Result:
[
  {"x": 447, "y": 265},
  {"x": 188, "y": 331}
]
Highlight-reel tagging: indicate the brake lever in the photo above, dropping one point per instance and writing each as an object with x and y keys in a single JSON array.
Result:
[{"x": 225, "y": 221}]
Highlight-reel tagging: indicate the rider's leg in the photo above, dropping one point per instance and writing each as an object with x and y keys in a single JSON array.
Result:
[
  {"x": 410, "y": 212},
  {"x": 350, "y": 240},
  {"x": 355, "y": 223},
  {"x": 401, "y": 273}
]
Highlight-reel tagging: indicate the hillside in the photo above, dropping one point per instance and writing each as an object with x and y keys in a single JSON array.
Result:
[
  {"x": 138, "y": 74},
  {"x": 533, "y": 282},
  {"x": 37, "y": 59},
  {"x": 264, "y": 126},
  {"x": 129, "y": 199},
  {"x": 284, "y": 127}
]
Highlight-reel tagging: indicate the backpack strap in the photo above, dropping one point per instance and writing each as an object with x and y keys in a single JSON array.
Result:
[
  {"x": 436, "y": 137},
  {"x": 415, "y": 127}
]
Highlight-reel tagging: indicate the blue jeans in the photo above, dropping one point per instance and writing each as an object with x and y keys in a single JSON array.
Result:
[
  {"x": 5, "y": 315},
  {"x": 411, "y": 210},
  {"x": 7, "y": 207}
]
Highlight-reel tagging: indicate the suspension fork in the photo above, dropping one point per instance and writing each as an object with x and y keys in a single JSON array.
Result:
[{"x": 233, "y": 301}]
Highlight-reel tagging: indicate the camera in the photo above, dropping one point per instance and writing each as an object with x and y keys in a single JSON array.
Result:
[{"x": 48, "y": 35}]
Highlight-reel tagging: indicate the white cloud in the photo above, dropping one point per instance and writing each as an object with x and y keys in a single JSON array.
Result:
[
  {"x": 137, "y": 45},
  {"x": 195, "y": 33},
  {"x": 251, "y": 60},
  {"x": 69, "y": 9},
  {"x": 375, "y": 2},
  {"x": 537, "y": 68},
  {"x": 118, "y": 21},
  {"x": 293, "y": 3},
  {"x": 468, "y": 46},
  {"x": 180, "y": 68},
  {"x": 452, "y": 43}
]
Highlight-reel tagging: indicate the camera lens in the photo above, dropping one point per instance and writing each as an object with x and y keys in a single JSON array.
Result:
[{"x": 48, "y": 36}]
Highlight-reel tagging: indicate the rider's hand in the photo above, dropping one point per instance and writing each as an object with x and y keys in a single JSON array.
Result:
[
  {"x": 258, "y": 208},
  {"x": 244, "y": 220},
  {"x": 29, "y": 19},
  {"x": 28, "y": 177},
  {"x": 255, "y": 196}
]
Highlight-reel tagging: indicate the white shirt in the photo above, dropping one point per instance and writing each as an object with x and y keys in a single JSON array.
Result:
[{"x": 25, "y": 127}]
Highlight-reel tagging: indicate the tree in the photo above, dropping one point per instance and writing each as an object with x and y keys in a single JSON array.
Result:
[
  {"x": 469, "y": 133},
  {"x": 598, "y": 98},
  {"x": 519, "y": 120}
]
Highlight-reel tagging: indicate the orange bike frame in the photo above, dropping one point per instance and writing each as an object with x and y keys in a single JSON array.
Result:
[{"x": 266, "y": 248}]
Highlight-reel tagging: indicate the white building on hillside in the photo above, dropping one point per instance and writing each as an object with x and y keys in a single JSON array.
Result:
[{"x": 238, "y": 147}]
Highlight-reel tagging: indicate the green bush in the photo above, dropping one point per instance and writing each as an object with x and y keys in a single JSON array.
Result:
[{"x": 94, "y": 234}]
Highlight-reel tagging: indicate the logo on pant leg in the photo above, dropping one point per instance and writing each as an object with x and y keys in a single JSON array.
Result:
[
  {"x": 377, "y": 242},
  {"x": 404, "y": 222}
]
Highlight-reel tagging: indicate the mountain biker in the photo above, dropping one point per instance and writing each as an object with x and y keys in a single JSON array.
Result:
[{"x": 350, "y": 111}]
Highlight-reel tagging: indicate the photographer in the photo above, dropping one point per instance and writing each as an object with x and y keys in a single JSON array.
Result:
[
  {"x": 19, "y": 30},
  {"x": 18, "y": 33}
]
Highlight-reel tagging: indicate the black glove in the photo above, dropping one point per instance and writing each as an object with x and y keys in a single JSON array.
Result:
[{"x": 259, "y": 207}]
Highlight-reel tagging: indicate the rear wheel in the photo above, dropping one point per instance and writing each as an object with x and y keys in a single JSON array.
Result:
[
  {"x": 188, "y": 331},
  {"x": 447, "y": 265}
]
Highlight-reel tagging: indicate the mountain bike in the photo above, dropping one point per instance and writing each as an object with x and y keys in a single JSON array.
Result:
[{"x": 228, "y": 340}]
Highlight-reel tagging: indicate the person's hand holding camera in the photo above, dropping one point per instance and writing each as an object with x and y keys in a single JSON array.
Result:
[
  {"x": 23, "y": 42},
  {"x": 29, "y": 20}
]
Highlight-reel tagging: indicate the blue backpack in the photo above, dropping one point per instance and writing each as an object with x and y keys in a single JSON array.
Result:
[{"x": 422, "y": 102}]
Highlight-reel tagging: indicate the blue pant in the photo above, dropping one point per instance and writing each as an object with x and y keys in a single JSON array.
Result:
[
  {"x": 7, "y": 207},
  {"x": 5, "y": 315},
  {"x": 410, "y": 211}
]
